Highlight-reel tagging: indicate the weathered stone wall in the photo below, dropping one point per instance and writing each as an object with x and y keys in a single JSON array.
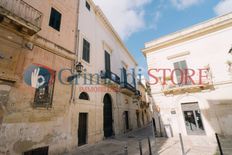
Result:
[{"x": 24, "y": 127}]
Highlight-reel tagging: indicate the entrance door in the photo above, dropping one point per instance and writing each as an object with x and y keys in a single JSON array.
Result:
[
  {"x": 108, "y": 120},
  {"x": 127, "y": 120},
  {"x": 82, "y": 129},
  {"x": 193, "y": 120},
  {"x": 137, "y": 118}
]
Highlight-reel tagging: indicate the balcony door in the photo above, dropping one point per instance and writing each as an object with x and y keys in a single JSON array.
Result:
[
  {"x": 180, "y": 69},
  {"x": 124, "y": 75},
  {"x": 107, "y": 63},
  {"x": 193, "y": 119}
]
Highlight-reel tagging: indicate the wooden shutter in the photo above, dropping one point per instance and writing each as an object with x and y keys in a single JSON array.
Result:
[
  {"x": 107, "y": 62},
  {"x": 55, "y": 19},
  {"x": 124, "y": 75},
  {"x": 182, "y": 65},
  {"x": 86, "y": 51}
]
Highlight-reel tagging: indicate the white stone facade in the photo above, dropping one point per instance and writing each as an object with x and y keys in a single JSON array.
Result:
[{"x": 201, "y": 46}]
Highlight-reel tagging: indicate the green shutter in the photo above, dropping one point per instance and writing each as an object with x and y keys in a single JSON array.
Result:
[
  {"x": 180, "y": 65},
  {"x": 86, "y": 51},
  {"x": 107, "y": 61}
]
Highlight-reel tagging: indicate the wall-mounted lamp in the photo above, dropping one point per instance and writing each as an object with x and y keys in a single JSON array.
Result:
[{"x": 78, "y": 69}]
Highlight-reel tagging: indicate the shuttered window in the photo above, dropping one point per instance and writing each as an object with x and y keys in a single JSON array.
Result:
[
  {"x": 124, "y": 75},
  {"x": 86, "y": 51},
  {"x": 55, "y": 19},
  {"x": 133, "y": 74},
  {"x": 107, "y": 61},
  {"x": 180, "y": 75}
]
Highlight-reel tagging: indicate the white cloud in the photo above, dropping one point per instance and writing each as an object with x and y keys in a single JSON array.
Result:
[
  {"x": 183, "y": 4},
  {"x": 126, "y": 16},
  {"x": 156, "y": 17},
  {"x": 223, "y": 7}
]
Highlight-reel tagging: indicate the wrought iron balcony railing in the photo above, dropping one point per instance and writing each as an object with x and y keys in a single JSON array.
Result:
[
  {"x": 21, "y": 11},
  {"x": 198, "y": 85},
  {"x": 128, "y": 86},
  {"x": 110, "y": 75}
]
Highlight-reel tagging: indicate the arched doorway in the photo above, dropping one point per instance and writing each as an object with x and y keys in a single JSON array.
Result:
[{"x": 108, "y": 119}]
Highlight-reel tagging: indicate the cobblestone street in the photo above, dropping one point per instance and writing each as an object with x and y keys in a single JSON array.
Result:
[{"x": 194, "y": 145}]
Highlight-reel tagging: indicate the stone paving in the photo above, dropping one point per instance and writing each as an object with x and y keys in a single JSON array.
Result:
[{"x": 193, "y": 145}]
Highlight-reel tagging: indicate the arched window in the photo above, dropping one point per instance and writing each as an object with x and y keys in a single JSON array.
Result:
[{"x": 84, "y": 96}]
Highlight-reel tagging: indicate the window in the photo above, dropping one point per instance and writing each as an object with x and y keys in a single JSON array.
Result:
[
  {"x": 44, "y": 94},
  {"x": 180, "y": 75},
  {"x": 86, "y": 51},
  {"x": 55, "y": 19},
  {"x": 133, "y": 74},
  {"x": 84, "y": 96},
  {"x": 107, "y": 63},
  {"x": 124, "y": 75},
  {"x": 87, "y": 5}
]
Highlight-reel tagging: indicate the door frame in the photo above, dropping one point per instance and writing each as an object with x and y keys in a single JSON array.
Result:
[
  {"x": 193, "y": 110},
  {"x": 87, "y": 118},
  {"x": 112, "y": 115}
]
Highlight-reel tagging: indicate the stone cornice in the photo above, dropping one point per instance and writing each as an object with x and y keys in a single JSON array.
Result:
[
  {"x": 106, "y": 22},
  {"x": 210, "y": 26}
]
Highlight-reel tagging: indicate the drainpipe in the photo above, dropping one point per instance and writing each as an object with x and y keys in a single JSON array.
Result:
[{"x": 76, "y": 48}]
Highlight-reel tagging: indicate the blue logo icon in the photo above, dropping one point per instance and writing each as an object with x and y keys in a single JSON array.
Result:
[{"x": 37, "y": 76}]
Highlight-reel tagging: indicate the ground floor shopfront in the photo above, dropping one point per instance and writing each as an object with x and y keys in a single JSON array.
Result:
[{"x": 204, "y": 113}]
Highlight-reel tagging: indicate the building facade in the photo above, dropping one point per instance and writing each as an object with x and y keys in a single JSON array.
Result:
[
  {"x": 45, "y": 106},
  {"x": 145, "y": 112},
  {"x": 190, "y": 77},
  {"x": 34, "y": 35},
  {"x": 108, "y": 79}
]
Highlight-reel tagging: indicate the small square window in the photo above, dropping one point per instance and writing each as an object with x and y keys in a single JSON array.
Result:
[
  {"x": 87, "y": 5},
  {"x": 55, "y": 19}
]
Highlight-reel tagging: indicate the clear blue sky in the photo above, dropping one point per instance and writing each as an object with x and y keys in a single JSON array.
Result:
[
  {"x": 170, "y": 20},
  {"x": 140, "y": 21}
]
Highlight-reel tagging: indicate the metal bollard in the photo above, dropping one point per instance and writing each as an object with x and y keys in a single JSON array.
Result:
[
  {"x": 219, "y": 144},
  {"x": 149, "y": 144},
  {"x": 140, "y": 147},
  {"x": 125, "y": 150},
  {"x": 182, "y": 144}
]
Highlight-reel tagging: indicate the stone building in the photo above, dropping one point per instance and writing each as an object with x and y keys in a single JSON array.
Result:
[
  {"x": 200, "y": 106},
  {"x": 145, "y": 112},
  {"x": 108, "y": 80},
  {"x": 35, "y": 34},
  {"x": 41, "y": 109}
]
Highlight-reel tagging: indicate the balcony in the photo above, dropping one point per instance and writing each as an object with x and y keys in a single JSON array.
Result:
[
  {"x": 20, "y": 16},
  {"x": 127, "y": 88},
  {"x": 174, "y": 89},
  {"x": 112, "y": 77}
]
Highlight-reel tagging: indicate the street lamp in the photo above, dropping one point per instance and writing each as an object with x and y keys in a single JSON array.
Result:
[{"x": 78, "y": 69}]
